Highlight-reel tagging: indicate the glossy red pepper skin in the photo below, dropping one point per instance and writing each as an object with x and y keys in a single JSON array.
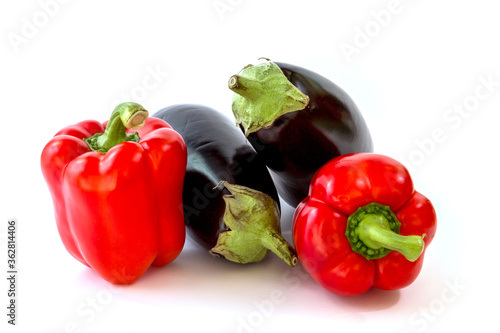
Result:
[
  {"x": 337, "y": 190},
  {"x": 118, "y": 212}
]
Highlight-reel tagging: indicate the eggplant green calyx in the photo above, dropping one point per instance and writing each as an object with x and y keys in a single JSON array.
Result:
[
  {"x": 373, "y": 231},
  {"x": 254, "y": 221},
  {"x": 262, "y": 94},
  {"x": 125, "y": 116}
]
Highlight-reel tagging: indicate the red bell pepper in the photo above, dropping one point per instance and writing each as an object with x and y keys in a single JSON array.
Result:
[
  {"x": 117, "y": 193},
  {"x": 363, "y": 225}
]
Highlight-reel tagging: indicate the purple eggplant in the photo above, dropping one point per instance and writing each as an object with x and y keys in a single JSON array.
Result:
[
  {"x": 297, "y": 120},
  {"x": 231, "y": 206}
]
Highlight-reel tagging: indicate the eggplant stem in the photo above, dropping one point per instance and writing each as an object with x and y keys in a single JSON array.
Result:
[{"x": 254, "y": 221}]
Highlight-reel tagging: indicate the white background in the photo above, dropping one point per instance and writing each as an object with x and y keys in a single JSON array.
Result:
[{"x": 409, "y": 65}]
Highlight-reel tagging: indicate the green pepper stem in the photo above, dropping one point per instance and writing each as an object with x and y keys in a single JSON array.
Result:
[
  {"x": 125, "y": 116},
  {"x": 373, "y": 231},
  {"x": 374, "y": 234}
]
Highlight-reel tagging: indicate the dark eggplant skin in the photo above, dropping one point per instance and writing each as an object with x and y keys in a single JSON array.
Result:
[
  {"x": 298, "y": 143},
  {"x": 217, "y": 151}
]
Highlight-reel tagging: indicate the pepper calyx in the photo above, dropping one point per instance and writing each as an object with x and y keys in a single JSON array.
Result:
[
  {"x": 373, "y": 232},
  {"x": 125, "y": 116}
]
